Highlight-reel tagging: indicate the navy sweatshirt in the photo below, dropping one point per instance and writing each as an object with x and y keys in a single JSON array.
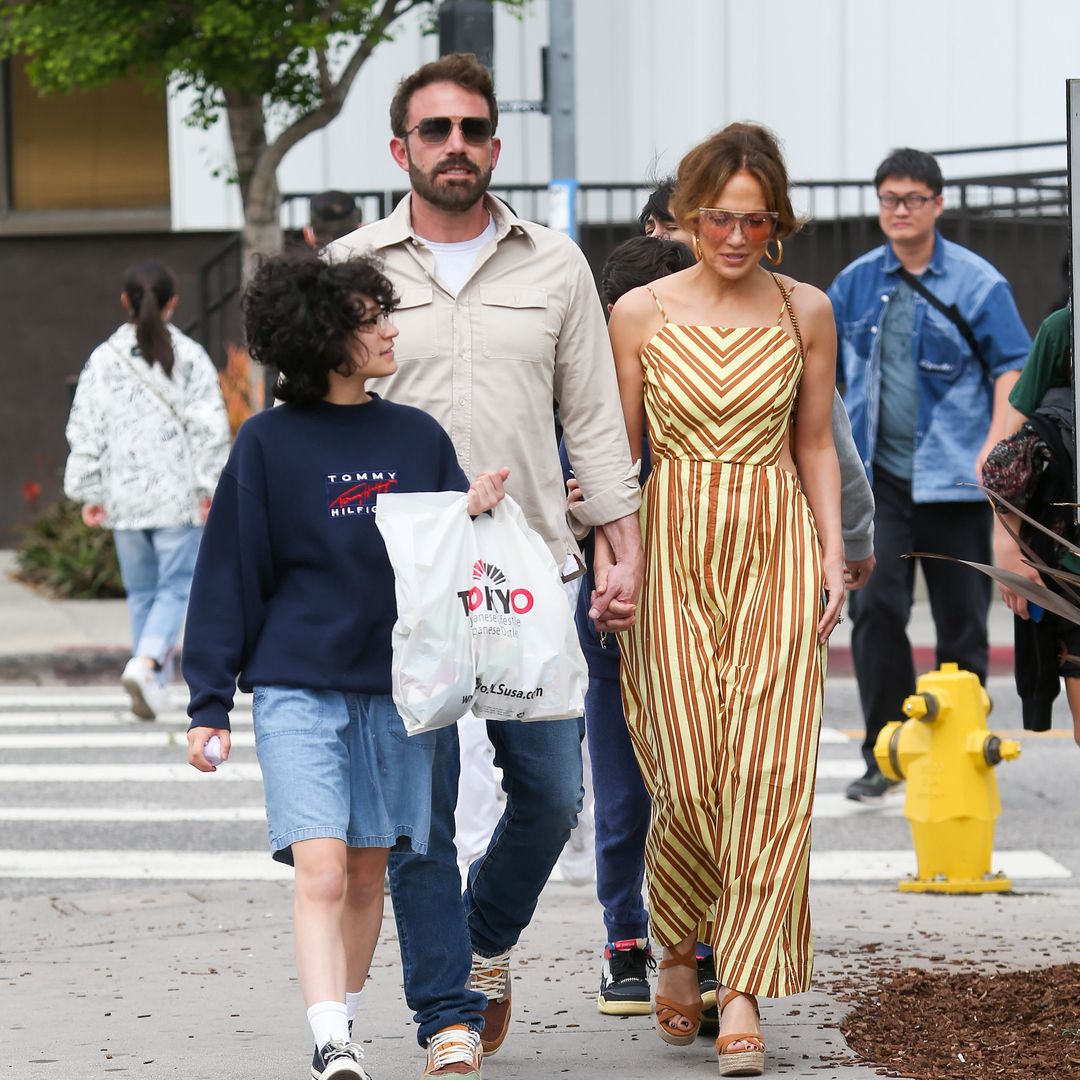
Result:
[{"x": 293, "y": 586}]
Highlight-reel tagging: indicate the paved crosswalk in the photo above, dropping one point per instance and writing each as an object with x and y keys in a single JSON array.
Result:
[{"x": 89, "y": 792}]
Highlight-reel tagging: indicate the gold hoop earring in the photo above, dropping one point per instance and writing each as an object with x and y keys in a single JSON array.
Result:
[
  {"x": 697, "y": 246},
  {"x": 779, "y": 252}
]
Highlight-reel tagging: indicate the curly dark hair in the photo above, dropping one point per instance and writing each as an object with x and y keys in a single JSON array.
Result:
[{"x": 301, "y": 315}]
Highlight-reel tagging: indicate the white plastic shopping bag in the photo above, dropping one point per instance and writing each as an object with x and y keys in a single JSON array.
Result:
[
  {"x": 529, "y": 664},
  {"x": 432, "y": 547}
]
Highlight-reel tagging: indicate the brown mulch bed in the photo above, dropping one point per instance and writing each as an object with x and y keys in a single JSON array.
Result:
[{"x": 925, "y": 1025}]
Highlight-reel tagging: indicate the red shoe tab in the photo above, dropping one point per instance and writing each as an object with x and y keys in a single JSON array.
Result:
[{"x": 626, "y": 944}]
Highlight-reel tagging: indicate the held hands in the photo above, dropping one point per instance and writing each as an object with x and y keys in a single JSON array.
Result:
[
  {"x": 197, "y": 738},
  {"x": 487, "y": 491},
  {"x": 574, "y": 494},
  {"x": 613, "y": 604},
  {"x": 93, "y": 515},
  {"x": 834, "y": 593}
]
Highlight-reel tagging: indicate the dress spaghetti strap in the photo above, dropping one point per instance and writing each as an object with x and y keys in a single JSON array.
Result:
[
  {"x": 658, "y": 304},
  {"x": 785, "y": 308}
]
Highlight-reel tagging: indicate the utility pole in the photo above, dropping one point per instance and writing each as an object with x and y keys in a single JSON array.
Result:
[{"x": 562, "y": 104}]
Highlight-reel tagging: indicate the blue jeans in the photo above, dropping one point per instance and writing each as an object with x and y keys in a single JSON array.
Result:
[
  {"x": 157, "y": 565},
  {"x": 541, "y": 765},
  {"x": 622, "y": 809}
]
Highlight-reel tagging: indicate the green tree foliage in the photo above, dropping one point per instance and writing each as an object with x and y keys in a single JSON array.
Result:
[{"x": 246, "y": 59}]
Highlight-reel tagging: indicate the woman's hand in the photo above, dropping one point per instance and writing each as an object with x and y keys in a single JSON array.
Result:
[
  {"x": 93, "y": 515},
  {"x": 487, "y": 491},
  {"x": 197, "y": 738},
  {"x": 834, "y": 596},
  {"x": 1008, "y": 556}
]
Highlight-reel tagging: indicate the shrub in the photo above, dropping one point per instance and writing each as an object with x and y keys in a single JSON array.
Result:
[{"x": 68, "y": 559}]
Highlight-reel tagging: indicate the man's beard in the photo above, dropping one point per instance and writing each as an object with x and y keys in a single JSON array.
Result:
[{"x": 456, "y": 196}]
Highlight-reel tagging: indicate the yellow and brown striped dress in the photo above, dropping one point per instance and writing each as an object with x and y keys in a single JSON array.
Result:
[{"x": 722, "y": 676}]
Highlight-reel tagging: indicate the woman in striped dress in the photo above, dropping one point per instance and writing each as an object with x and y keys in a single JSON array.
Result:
[{"x": 723, "y": 671}]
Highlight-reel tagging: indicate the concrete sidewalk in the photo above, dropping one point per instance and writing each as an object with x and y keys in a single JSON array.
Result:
[
  {"x": 199, "y": 982},
  {"x": 71, "y": 641}
]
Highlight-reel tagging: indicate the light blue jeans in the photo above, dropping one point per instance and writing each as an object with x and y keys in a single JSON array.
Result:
[{"x": 157, "y": 565}]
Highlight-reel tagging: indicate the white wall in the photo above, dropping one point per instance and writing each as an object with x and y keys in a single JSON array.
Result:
[{"x": 841, "y": 81}]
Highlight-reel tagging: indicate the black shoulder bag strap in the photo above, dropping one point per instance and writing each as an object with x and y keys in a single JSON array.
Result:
[{"x": 952, "y": 313}]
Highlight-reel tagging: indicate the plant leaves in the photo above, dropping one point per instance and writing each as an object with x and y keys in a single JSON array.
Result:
[
  {"x": 1038, "y": 594},
  {"x": 1030, "y": 520}
]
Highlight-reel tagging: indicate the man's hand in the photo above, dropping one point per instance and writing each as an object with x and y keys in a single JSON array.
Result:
[
  {"x": 857, "y": 572},
  {"x": 613, "y": 604}
]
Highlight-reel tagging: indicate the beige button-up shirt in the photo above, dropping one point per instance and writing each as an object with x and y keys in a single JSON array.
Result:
[{"x": 527, "y": 328}]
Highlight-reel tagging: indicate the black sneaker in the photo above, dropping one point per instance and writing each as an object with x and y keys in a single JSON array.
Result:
[
  {"x": 706, "y": 975},
  {"x": 317, "y": 1063},
  {"x": 870, "y": 788},
  {"x": 346, "y": 1053},
  {"x": 624, "y": 982}
]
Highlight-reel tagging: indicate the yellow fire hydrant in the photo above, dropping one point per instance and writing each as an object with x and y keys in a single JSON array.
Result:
[{"x": 947, "y": 756}]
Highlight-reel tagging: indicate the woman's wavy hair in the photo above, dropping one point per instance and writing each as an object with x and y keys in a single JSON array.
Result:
[
  {"x": 302, "y": 315},
  {"x": 149, "y": 286},
  {"x": 705, "y": 171}
]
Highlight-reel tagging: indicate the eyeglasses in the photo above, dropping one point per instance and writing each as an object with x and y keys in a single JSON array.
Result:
[
  {"x": 912, "y": 200},
  {"x": 757, "y": 225},
  {"x": 475, "y": 130},
  {"x": 377, "y": 322}
]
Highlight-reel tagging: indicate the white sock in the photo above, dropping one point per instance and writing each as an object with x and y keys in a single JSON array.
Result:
[
  {"x": 352, "y": 1003},
  {"x": 327, "y": 1020}
]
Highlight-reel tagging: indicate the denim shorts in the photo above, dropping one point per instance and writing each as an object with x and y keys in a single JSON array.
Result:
[{"x": 341, "y": 765}]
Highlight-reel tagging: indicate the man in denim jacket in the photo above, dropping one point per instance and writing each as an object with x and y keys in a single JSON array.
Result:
[{"x": 925, "y": 410}]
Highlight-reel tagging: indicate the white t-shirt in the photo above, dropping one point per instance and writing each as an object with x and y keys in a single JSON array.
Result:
[{"x": 454, "y": 262}]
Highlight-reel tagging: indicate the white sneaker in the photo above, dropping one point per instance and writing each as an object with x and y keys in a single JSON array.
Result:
[
  {"x": 149, "y": 696},
  {"x": 341, "y": 1061}
]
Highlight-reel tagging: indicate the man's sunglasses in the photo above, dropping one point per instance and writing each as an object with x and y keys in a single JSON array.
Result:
[
  {"x": 757, "y": 226},
  {"x": 436, "y": 129}
]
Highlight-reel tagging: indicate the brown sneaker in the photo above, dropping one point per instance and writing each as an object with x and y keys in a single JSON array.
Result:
[
  {"x": 491, "y": 976},
  {"x": 454, "y": 1051}
]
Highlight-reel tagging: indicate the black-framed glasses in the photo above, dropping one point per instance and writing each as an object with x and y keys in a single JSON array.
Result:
[
  {"x": 475, "y": 130},
  {"x": 377, "y": 322},
  {"x": 912, "y": 200}
]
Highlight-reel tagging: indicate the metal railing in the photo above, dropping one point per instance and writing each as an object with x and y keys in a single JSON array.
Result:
[{"x": 1016, "y": 220}]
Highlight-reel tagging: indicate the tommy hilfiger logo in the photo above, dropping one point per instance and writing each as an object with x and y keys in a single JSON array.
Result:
[
  {"x": 352, "y": 493},
  {"x": 493, "y": 594}
]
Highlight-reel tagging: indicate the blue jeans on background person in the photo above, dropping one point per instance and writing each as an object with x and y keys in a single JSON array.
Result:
[
  {"x": 156, "y": 566},
  {"x": 622, "y": 810},
  {"x": 541, "y": 765}
]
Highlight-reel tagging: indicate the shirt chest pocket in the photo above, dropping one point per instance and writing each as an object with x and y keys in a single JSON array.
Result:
[
  {"x": 415, "y": 319},
  {"x": 515, "y": 323},
  {"x": 941, "y": 352}
]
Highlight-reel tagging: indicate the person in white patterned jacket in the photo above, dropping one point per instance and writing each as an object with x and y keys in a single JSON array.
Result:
[{"x": 149, "y": 435}]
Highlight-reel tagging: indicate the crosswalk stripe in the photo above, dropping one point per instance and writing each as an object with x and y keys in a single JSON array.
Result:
[
  {"x": 825, "y": 866},
  {"x": 894, "y": 865},
  {"x": 837, "y": 805},
  {"x": 88, "y": 698},
  {"x": 134, "y": 814},
  {"x": 105, "y": 718},
  {"x": 100, "y": 740},
  {"x": 124, "y": 773},
  {"x": 149, "y": 865}
]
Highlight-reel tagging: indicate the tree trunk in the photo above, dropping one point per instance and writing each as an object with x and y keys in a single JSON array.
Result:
[{"x": 256, "y": 173}]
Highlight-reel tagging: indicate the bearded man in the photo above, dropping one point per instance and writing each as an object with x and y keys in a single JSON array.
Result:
[{"x": 498, "y": 319}]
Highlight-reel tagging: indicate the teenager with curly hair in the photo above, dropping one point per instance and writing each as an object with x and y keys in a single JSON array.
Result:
[{"x": 293, "y": 598}]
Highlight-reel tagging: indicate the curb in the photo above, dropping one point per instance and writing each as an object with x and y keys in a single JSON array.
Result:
[
  {"x": 74, "y": 666},
  {"x": 1000, "y": 663},
  {"x": 102, "y": 665}
]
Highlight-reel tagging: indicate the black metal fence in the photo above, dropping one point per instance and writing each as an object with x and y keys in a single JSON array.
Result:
[{"x": 1018, "y": 221}]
